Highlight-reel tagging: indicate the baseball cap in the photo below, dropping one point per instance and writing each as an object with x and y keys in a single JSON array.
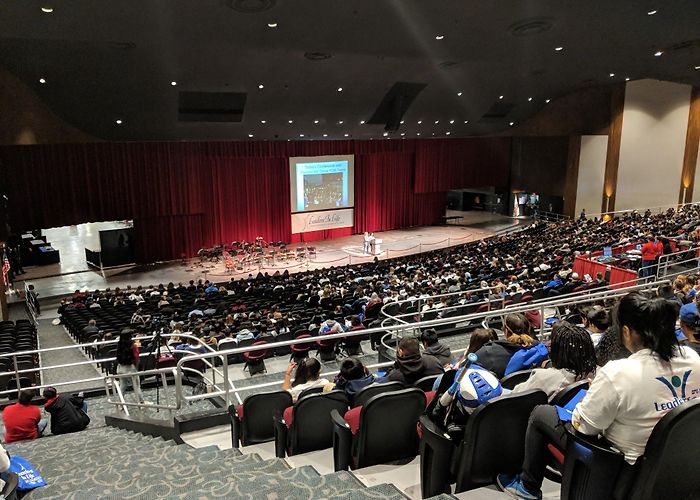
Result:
[{"x": 689, "y": 314}]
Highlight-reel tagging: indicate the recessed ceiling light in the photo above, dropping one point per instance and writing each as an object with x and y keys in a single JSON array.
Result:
[
  {"x": 340, "y": 122},
  {"x": 340, "y": 89},
  {"x": 301, "y": 135},
  {"x": 386, "y": 133},
  {"x": 558, "y": 49},
  {"x": 401, "y": 122},
  {"x": 547, "y": 101},
  {"x": 250, "y": 135},
  {"x": 271, "y": 25},
  {"x": 658, "y": 53},
  {"x": 47, "y": 9},
  {"x": 652, "y": 12},
  {"x": 612, "y": 75},
  {"x": 697, "y": 68},
  {"x": 42, "y": 80},
  {"x": 627, "y": 78},
  {"x": 315, "y": 121},
  {"x": 420, "y": 121},
  {"x": 291, "y": 121},
  {"x": 263, "y": 121},
  {"x": 466, "y": 121},
  {"x": 500, "y": 97},
  {"x": 511, "y": 123},
  {"x": 447, "y": 133},
  {"x": 118, "y": 122},
  {"x": 346, "y": 135},
  {"x": 417, "y": 133},
  {"x": 403, "y": 133},
  {"x": 529, "y": 99},
  {"x": 261, "y": 86},
  {"x": 362, "y": 122},
  {"x": 325, "y": 135},
  {"x": 452, "y": 121},
  {"x": 459, "y": 94},
  {"x": 173, "y": 83},
  {"x": 433, "y": 133},
  {"x": 439, "y": 37},
  {"x": 437, "y": 121}
]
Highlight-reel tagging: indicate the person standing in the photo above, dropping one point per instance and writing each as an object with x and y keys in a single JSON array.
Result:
[
  {"x": 371, "y": 243},
  {"x": 128, "y": 362},
  {"x": 365, "y": 243}
]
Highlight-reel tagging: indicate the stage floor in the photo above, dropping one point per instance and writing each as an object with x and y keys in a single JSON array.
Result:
[{"x": 72, "y": 274}]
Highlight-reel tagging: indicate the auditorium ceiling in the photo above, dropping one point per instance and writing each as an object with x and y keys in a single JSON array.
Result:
[{"x": 333, "y": 69}]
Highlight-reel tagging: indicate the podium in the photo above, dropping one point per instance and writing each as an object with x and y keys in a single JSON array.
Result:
[{"x": 377, "y": 246}]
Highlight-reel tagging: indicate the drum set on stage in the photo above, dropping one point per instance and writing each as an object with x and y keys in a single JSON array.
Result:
[{"x": 245, "y": 255}]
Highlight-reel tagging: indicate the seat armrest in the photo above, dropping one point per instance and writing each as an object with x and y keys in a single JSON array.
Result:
[
  {"x": 281, "y": 433},
  {"x": 597, "y": 443},
  {"x": 235, "y": 426},
  {"x": 342, "y": 442}
]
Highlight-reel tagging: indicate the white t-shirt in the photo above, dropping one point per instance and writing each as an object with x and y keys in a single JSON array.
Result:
[
  {"x": 296, "y": 390},
  {"x": 629, "y": 396}
]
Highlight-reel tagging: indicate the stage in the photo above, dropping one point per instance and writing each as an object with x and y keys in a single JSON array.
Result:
[{"x": 73, "y": 274}]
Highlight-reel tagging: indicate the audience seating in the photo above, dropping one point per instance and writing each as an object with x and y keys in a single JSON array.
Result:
[
  {"x": 307, "y": 426},
  {"x": 255, "y": 360},
  {"x": 251, "y": 422},
  {"x": 515, "y": 378},
  {"x": 378, "y": 433},
  {"x": 365, "y": 394},
  {"x": 668, "y": 468},
  {"x": 425, "y": 384},
  {"x": 498, "y": 424},
  {"x": 18, "y": 336}
]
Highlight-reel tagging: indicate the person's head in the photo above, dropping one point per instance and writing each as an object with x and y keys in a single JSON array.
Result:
[
  {"x": 597, "y": 319},
  {"x": 25, "y": 396},
  {"x": 408, "y": 346},
  {"x": 429, "y": 337},
  {"x": 50, "y": 393},
  {"x": 125, "y": 337},
  {"x": 647, "y": 323},
  {"x": 352, "y": 369},
  {"x": 92, "y": 322},
  {"x": 517, "y": 330},
  {"x": 307, "y": 370},
  {"x": 479, "y": 338},
  {"x": 572, "y": 349},
  {"x": 690, "y": 321}
]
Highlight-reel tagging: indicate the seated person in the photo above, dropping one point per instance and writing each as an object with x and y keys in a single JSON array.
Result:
[
  {"x": 329, "y": 327},
  {"x": 610, "y": 347},
  {"x": 597, "y": 321},
  {"x": 627, "y": 396},
  {"x": 495, "y": 355},
  {"x": 434, "y": 348},
  {"x": 573, "y": 359},
  {"x": 690, "y": 326},
  {"x": 353, "y": 377},
  {"x": 306, "y": 376},
  {"x": 410, "y": 365},
  {"x": 23, "y": 420},
  {"x": 68, "y": 414},
  {"x": 193, "y": 345}
]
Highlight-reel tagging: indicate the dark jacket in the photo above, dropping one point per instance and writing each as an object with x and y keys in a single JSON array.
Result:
[
  {"x": 66, "y": 414},
  {"x": 495, "y": 356},
  {"x": 440, "y": 352},
  {"x": 352, "y": 387},
  {"x": 410, "y": 369}
]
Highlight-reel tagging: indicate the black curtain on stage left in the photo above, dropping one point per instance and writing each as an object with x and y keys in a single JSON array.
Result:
[{"x": 168, "y": 238}]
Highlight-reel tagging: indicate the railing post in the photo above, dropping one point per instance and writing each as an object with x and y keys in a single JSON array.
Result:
[
  {"x": 14, "y": 362},
  {"x": 227, "y": 390}
]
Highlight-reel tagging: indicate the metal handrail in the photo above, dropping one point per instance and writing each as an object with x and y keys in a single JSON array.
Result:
[
  {"x": 664, "y": 260},
  {"x": 675, "y": 206}
]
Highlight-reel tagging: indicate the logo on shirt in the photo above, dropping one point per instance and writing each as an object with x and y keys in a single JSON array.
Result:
[{"x": 677, "y": 386}]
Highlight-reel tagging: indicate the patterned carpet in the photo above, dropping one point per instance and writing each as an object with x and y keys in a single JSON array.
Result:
[{"x": 110, "y": 463}]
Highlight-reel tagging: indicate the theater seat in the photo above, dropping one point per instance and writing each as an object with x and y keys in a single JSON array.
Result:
[
  {"x": 494, "y": 442},
  {"x": 365, "y": 394},
  {"x": 382, "y": 430},
  {"x": 306, "y": 426},
  {"x": 668, "y": 468},
  {"x": 252, "y": 422}
]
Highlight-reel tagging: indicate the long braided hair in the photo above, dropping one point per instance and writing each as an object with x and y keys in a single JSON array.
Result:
[{"x": 572, "y": 349}]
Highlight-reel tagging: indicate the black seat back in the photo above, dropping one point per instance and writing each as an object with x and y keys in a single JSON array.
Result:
[
  {"x": 498, "y": 424},
  {"x": 515, "y": 378},
  {"x": 372, "y": 390},
  {"x": 385, "y": 434},
  {"x": 311, "y": 428},
  {"x": 425, "y": 384},
  {"x": 565, "y": 395},
  {"x": 258, "y": 410}
]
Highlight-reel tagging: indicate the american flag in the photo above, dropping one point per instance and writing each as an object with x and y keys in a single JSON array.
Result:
[{"x": 5, "y": 268}]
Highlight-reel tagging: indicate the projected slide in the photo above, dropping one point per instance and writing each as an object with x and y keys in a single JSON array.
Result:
[{"x": 321, "y": 183}]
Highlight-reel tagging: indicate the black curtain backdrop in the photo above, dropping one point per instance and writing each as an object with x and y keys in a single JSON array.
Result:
[{"x": 186, "y": 195}]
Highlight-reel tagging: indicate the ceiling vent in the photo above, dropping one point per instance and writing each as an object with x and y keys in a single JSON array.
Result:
[
  {"x": 251, "y": 6},
  {"x": 532, "y": 26},
  {"x": 211, "y": 106},
  {"x": 317, "y": 56}
]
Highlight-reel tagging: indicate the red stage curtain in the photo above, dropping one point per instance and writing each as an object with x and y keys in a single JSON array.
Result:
[{"x": 235, "y": 190}]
